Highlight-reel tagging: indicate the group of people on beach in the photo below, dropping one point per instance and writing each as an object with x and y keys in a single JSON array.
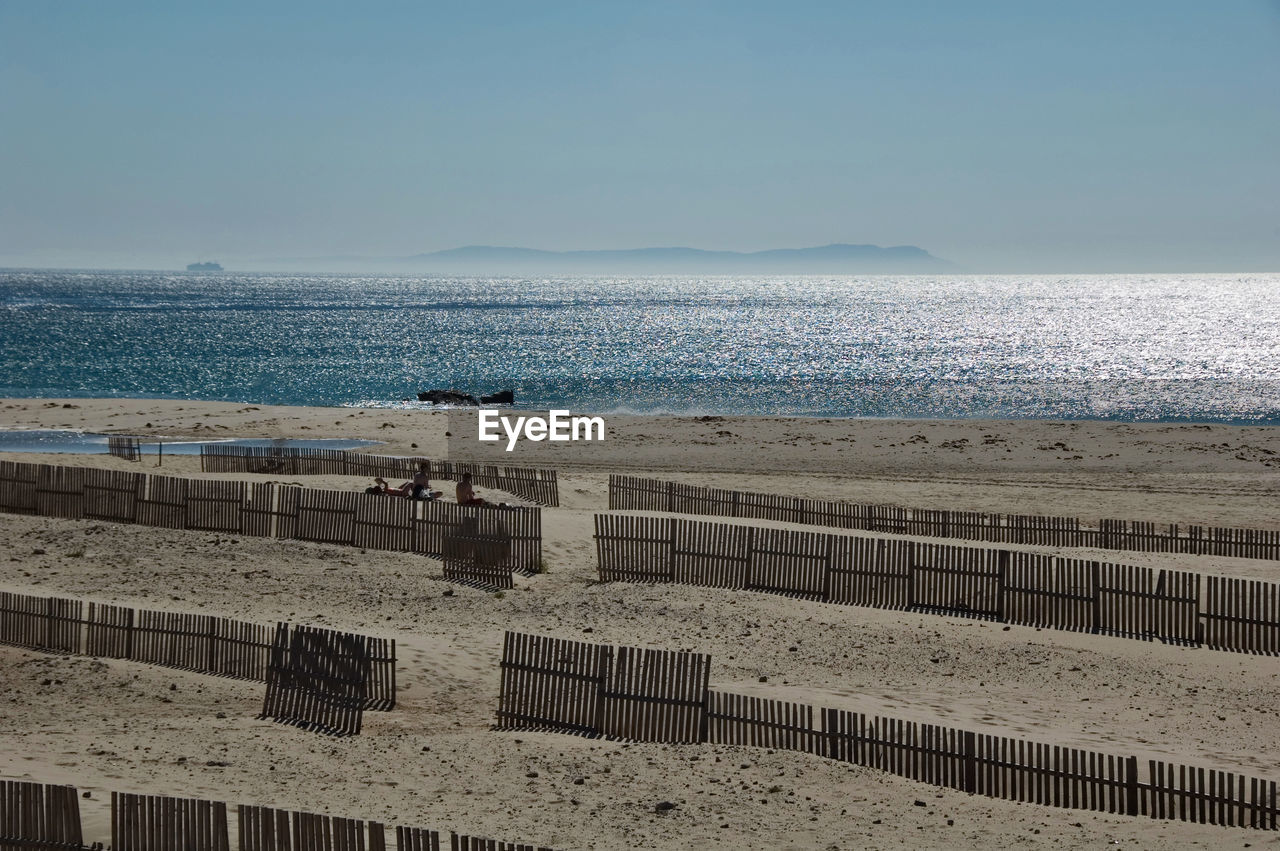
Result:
[{"x": 420, "y": 488}]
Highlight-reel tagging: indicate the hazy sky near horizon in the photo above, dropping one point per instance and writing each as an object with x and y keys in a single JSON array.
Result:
[{"x": 1004, "y": 136}]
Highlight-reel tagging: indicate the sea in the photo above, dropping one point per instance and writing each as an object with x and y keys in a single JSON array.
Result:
[{"x": 1172, "y": 348}]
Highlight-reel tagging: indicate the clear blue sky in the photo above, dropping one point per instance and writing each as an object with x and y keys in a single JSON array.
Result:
[{"x": 1004, "y": 136}]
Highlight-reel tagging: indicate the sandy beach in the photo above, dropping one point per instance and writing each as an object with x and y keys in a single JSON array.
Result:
[{"x": 107, "y": 725}]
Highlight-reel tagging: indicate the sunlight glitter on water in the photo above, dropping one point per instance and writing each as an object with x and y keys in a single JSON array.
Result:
[{"x": 1132, "y": 346}]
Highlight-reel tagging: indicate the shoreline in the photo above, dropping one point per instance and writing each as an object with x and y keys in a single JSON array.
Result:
[{"x": 1209, "y": 474}]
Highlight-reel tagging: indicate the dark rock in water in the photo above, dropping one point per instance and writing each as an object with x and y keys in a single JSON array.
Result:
[
  {"x": 447, "y": 397},
  {"x": 502, "y": 397}
]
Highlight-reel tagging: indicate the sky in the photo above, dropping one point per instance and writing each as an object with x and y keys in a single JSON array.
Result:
[{"x": 1019, "y": 136}]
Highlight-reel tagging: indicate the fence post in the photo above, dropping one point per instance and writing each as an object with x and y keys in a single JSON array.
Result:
[
  {"x": 50, "y": 619},
  {"x": 671, "y": 551},
  {"x": 128, "y": 634},
  {"x": 1002, "y": 568},
  {"x": 970, "y": 762},
  {"x": 1131, "y": 785},
  {"x": 704, "y": 723},
  {"x": 211, "y": 653},
  {"x": 826, "y": 569},
  {"x": 671, "y": 496},
  {"x": 1096, "y": 575},
  {"x": 604, "y": 666},
  {"x": 393, "y": 674},
  {"x": 911, "y": 574}
]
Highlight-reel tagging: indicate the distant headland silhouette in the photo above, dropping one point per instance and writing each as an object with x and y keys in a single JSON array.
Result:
[
  {"x": 838, "y": 258},
  {"x": 204, "y": 267}
]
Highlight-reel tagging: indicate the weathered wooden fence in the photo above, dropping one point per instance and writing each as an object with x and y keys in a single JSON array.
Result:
[
  {"x": 318, "y": 679},
  {"x": 39, "y": 816},
  {"x": 1010, "y": 586},
  {"x": 557, "y": 684},
  {"x": 479, "y": 545},
  {"x": 595, "y": 689},
  {"x": 128, "y": 448},
  {"x": 462, "y": 842},
  {"x": 638, "y": 494},
  {"x": 539, "y": 486},
  {"x": 41, "y": 623},
  {"x": 36, "y": 816},
  {"x": 160, "y": 823},
  {"x": 267, "y": 829},
  {"x": 202, "y": 643}
]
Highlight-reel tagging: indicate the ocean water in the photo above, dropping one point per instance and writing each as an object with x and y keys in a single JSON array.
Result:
[{"x": 1126, "y": 347}]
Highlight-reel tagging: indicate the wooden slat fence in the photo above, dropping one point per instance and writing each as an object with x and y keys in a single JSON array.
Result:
[
  {"x": 214, "y": 506},
  {"x": 158, "y": 823},
  {"x": 417, "y": 839},
  {"x": 328, "y": 517},
  {"x": 1050, "y": 775},
  {"x": 739, "y": 719},
  {"x": 1206, "y": 796},
  {"x": 656, "y": 695},
  {"x": 121, "y": 446},
  {"x": 384, "y": 524},
  {"x": 39, "y": 816},
  {"x": 994, "y": 766},
  {"x": 477, "y": 551},
  {"x": 1241, "y": 614},
  {"x": 203, "y": 643},
  {"x": 479, "y": 545},
  {"x": 317, "y": 679},
  {"x": 60, "y": 491},
  {"x": 42, "y": 623},
  {"x": 18, "y": 487},
  {"x": 1051, "y": 592},
  {"x": 538, "y": 486},
  {"x": 267, "y": 829},
  {"x": 109, "y": 631},
  {"x": 640, "y": 494},
  {"x": 591, "y": 689},
  {"x": 462, "y": 842},
  {"x": 112, "y": 495},
  {"x": 553, "y": 684},
  {"x": 164, "y": 502},
  {"x": 547, "y": 680},
  {"x": 1009, "y": 586},
  {"x": 636, "y": 549},
  {"x": 496, "y": 541},
  {"x": 1140, "y": 601},
  {"x": 872, "y": 572}
]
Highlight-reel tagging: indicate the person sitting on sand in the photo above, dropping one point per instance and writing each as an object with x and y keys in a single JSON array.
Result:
[
  {"x": 467, "y": 494},
  {"x": 422, "y": 486}
]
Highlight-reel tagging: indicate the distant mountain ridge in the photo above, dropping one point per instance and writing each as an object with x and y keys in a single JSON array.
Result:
[{"x": 838, "y": 258}]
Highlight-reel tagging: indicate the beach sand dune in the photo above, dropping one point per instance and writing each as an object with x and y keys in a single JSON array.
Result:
[{"x": 108, "y": 725}]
